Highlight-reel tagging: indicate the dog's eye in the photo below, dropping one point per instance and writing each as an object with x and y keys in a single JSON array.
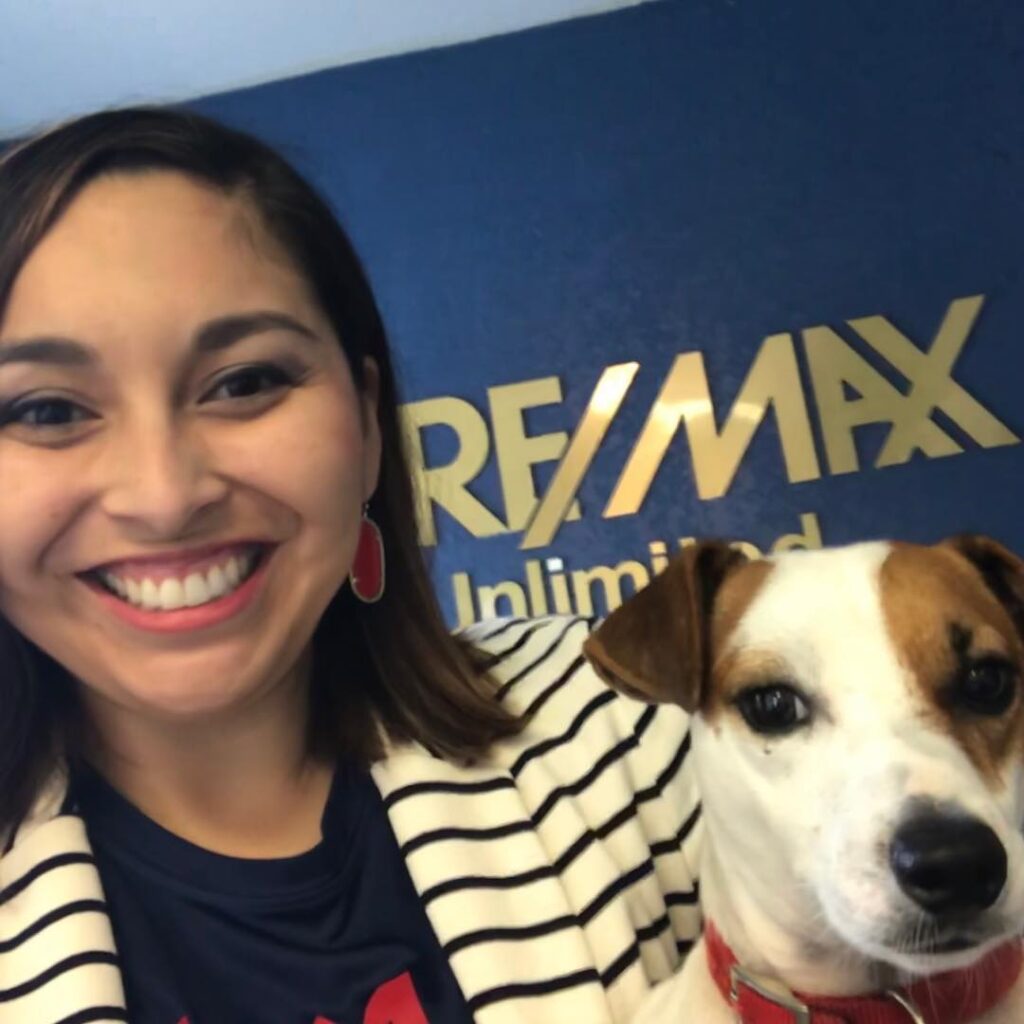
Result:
[
  {"x": 986, "y": 687},
  {"x": 773, "y": 710}
]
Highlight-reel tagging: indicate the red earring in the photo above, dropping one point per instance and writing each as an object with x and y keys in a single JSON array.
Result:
[{"x": 366, "y": 577}]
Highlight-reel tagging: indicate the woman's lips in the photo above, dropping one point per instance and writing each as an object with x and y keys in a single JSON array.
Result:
[
  {"x": 179, "y": 565},
  {"x": 185, "y": 619}
]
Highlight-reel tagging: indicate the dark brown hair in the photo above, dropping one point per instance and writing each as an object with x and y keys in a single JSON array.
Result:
[{"x": 393, "y": 662}]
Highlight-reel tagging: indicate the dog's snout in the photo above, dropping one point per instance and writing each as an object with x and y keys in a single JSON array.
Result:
[{"x": 948, "y": 866}]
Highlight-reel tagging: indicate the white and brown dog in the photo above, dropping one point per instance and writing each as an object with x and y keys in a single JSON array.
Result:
[{"x": 858, "y": 738}]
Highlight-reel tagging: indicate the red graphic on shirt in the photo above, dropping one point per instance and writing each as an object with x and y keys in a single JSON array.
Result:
[{"x": 394, "y": 1002}]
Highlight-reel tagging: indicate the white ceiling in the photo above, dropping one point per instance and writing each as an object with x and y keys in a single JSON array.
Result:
[{"x": 64, "y": 57}]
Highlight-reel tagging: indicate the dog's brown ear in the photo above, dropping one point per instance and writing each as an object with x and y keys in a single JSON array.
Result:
[
  {"x": 1000, "y": 568},
  {"x": 656, "y": 644}
]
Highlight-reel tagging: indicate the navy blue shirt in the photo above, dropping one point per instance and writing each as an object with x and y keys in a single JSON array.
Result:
[{"x": 337, "y": 935}]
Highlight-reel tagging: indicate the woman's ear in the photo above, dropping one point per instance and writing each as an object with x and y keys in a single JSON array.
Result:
[
  {"x": 369, "y": 407},
  {"x": 655, "y": 646}
]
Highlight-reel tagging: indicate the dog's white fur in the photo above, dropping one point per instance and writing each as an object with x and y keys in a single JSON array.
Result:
[{"x": 793, "y": 869}]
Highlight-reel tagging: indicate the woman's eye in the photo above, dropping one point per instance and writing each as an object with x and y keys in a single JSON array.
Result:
[
  {"x": 41, "y": 413},
  {"x": 773, "y": 710},
  {"x": 243, "y": 382},
  {"x": 51, "y": 414}
]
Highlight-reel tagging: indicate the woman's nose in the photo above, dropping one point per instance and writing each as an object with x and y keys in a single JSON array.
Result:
[{"x": 159, "y": 474}]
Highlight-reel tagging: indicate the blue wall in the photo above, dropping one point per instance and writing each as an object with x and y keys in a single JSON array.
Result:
[{"x": 692, "y": 176}]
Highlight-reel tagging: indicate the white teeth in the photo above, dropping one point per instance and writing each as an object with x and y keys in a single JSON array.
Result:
[
  {"x": 195, "y": 589},
  {"x": 217, "y": 582},
  {"x": 150, "y": 594}
]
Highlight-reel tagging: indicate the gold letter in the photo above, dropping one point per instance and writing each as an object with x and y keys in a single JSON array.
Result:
[
  {"x": 932, "y": 381},
  {"x": 773, "y": 378},
  {"x": 517, "y": 451},
  {"x": 810, "y": 538},
  {"x": 463, "y": 599},
  {"x": 659, "y": 555},
  {"x": 559, "y": 588},
  {"x": 604, "y": 403},
  {"x": 446, "y": 485},
  {"x": 610, "y": 579},
  {"x": 834, "y": 364},
  {"x": 488, "y": 598},
  {"x": 748, "y": 548},
  {"x": 535, "y": 587}
]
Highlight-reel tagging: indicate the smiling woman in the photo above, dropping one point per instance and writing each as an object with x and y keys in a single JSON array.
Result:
[
  {"x": 242, "y": 775},
  {"x": 124, "y": 295}
]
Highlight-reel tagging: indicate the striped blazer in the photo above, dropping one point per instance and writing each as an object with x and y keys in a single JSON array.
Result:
[{"x": 557, "y": 875}]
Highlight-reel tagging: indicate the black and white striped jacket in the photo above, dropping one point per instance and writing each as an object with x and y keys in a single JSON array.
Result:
[{"x": 557, "y": 877}]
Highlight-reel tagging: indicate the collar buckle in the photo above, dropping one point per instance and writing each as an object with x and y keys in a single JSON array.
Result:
[
  {"x": 738, "y": 977},
  {"x": 908, "y": 1004}
]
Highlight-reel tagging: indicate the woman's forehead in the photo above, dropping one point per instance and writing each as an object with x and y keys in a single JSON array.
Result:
[
  {"x": 123, "y": 206},
  {"x": 149, "y": 244}
]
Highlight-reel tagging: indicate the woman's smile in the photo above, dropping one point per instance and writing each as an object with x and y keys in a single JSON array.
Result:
[{"x": 197, "y": 602}]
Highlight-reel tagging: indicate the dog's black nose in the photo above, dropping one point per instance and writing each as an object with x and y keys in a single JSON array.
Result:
[{"x": 948, "y": 866}]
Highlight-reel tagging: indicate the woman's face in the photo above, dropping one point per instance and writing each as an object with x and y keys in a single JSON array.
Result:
[{"x": 196, "y": 398}]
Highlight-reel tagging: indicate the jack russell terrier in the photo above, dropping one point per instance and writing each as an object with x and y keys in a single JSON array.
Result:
[{"x": 858, "y": 739}]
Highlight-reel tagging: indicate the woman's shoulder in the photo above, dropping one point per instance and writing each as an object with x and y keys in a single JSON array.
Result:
[
  {"x": 614, "y": 758},
  {"x": 528, "y": 657},
  {"x": 539, "y": 669},
  {"x": 520, "y": 647}
]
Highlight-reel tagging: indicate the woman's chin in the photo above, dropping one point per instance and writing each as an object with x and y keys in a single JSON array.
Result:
[{"x": 175, "y": 704}]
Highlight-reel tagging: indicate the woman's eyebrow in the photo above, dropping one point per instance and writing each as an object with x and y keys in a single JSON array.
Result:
[
  {"x": 213, "y": 336},
  {"x": 226, "y": 330}
]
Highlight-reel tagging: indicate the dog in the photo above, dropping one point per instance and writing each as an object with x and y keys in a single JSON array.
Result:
[{"x": 858, "y": 740}]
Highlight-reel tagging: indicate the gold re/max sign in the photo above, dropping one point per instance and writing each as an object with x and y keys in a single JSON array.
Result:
[{"x": 716, "y": 454}]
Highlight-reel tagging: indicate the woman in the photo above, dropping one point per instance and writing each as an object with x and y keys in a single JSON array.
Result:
[{"x": 245, "y": 775}]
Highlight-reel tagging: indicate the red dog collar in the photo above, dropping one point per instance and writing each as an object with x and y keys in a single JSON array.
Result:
[{"x": 955, "y": 997}]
